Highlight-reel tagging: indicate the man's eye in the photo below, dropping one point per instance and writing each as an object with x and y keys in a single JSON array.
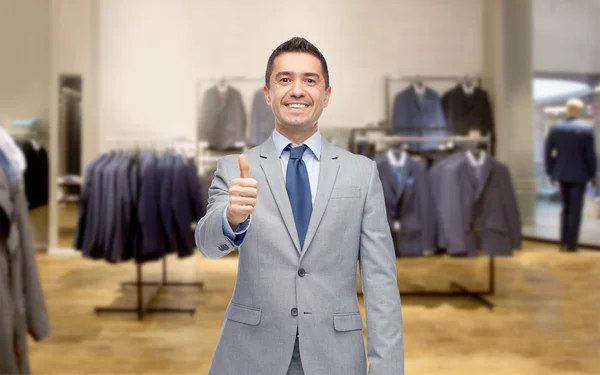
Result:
[
  {"x": 311, "y": 80},
  {"x": 284, "y": 80}
]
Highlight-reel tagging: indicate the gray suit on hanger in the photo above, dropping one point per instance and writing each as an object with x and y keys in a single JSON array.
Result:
[
  {"x": 282, "y": 290},
  {"x": 262, "y": 120},
  {"x": 222, "y": 118},
  {"x": 22, "y": 306},
  {"x": 484, "y": 199}
]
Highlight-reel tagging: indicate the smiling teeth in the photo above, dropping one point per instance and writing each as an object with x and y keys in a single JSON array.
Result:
[{"x": 297, "y": 105}]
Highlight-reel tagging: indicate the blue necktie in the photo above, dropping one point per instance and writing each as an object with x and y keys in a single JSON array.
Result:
[{"x": 297, "y": 185}]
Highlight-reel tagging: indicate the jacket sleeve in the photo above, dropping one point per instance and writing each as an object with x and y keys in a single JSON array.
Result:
[
  {"x": 590, "y": 155},
  {"x": 511, "y": 209},
  {"x": 548, "y": 150},
  {"x": 377, "y": 261},
  {"x": 210, "y": 236},
  {"x": 38, "y": 325}
]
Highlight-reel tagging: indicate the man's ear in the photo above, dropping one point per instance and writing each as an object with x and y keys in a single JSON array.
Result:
[
  {"x": 267, "y": 95},
  {"x": 327, "y": 94}
]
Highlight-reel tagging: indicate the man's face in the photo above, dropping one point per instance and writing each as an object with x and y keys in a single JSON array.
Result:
[{"x": 297, "y": 95}]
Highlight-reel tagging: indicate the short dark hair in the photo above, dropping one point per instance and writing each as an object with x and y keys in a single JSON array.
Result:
[{"x": 297, "y": 44}]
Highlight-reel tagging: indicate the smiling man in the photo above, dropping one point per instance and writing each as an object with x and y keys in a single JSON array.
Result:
[{"x": 302, "y": 213}]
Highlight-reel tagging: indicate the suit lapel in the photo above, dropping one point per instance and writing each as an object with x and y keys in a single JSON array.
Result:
[
  {"x": 327, "y": 176},
  {"x": 404, "y": 174},
  {"x": 271, "y": 167}
]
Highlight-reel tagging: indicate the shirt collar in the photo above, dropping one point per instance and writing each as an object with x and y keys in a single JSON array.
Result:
[{"x": 314, "y": 143}]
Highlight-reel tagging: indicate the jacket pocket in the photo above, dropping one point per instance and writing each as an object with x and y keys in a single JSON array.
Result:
[
  {"x": 347, "y": 322},
  {"x": 243, "y": 314},
  {"x": 348, "y": 192}
]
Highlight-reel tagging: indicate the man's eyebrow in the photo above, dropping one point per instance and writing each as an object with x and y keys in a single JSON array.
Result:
[{"x": 286, "y": 73}]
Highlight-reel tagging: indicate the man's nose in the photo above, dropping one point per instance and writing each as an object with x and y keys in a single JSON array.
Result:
[{"x": 297, "y": 89}]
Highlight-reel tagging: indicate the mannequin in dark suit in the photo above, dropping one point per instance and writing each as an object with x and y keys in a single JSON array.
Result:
[{"x": 571, "y": 160}]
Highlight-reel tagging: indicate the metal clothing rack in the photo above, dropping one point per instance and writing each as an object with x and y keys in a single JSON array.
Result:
[
  {"x": 457, "y": 289},
  {"x": 142, "y": 306}
]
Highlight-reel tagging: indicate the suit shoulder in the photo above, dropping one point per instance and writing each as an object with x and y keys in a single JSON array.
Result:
[{"x": 350, "y": 157}]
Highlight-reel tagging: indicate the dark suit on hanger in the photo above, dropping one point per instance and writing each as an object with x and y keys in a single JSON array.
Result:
[
  {"x": 570, "y": 158},
  {"x": 420, "y": 113},
  {"x": 408, "y": 200},
  {"x": 465, "y": 112},
  {"x": 478, "y": 197},
  {"x": 222, "y": 118}
]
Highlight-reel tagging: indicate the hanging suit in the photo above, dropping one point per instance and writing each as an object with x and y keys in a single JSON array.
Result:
[
  {"x": 222, "y": 120},
  {"x": 408, "y": 200},
  {"x": 478, "y": 196},
  {"x": 262, "y": 120},
  {"x": 420, "y": 113},
  {"x": 465, "y": 112},
  {"x": 22, "y": 305}
]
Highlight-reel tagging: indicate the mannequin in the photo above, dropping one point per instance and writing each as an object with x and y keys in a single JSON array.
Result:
[
  {"x": 570, "y": 159},
  {"x": 222, "y": 86},
  {"x": 469, "y": 85}
]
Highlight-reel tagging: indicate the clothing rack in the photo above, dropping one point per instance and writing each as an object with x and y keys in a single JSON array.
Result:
[
  {"x": 142, "y": 307},
  {"x": 424, "y": 79},
  {"x": 458, "y": 290}
]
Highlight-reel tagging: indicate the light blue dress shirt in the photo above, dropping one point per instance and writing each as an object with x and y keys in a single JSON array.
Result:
[{"x": 311, "y": 158}]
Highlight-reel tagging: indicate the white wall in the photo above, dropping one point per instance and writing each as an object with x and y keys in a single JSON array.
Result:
[
  {"x": 24, "y": 59},
  {"x": 151, "y": 52},
  {"x": 566, "y": 36}
]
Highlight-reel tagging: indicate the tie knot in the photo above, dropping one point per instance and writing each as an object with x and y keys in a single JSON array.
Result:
[{"x": 296, "y": 152}]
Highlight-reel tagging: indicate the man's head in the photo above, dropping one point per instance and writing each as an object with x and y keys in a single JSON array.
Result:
[
  {"x": 297, "y": 85},
  {"x": 574, "y": 107}
]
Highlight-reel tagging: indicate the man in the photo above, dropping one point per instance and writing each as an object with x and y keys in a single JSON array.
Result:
[
  {"x": 302, "y": 213},
  {"x": 571, "y": 160}
]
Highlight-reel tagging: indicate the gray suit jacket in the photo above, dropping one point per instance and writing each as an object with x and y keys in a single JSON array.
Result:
[
  {"x": 489, "y": 204},
  {"x": 281, "y": 288},
  {"x": 262, "y": 120},
  {"x": 222, "y": 120},
  {"x": 22, "y": 306}
]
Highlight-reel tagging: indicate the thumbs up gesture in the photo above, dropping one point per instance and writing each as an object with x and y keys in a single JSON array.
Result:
[{"x": 242, "y": 195}]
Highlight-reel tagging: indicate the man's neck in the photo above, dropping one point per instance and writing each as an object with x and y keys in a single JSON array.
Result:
[{"x": 297, "y": 137}]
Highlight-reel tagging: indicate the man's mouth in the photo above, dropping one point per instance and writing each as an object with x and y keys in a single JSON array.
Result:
[{"x": 296, "y": 105}]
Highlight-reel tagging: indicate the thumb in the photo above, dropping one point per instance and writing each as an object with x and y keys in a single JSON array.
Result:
[{"x": 244, "y": 166}]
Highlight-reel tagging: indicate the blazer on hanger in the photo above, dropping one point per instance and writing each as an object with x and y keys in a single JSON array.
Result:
[
  {"x": 409, "y": 201},
  {"x": 282, "y": 289},
  {"x": 410, "y": 110},
  {"x": 484, "y": 200},
  {"x": 222, "y": 118},
  {"x": 465, "y": 112}
]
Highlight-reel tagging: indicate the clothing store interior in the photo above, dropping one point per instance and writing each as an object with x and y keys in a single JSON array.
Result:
[{"x": 462, "y": 104}]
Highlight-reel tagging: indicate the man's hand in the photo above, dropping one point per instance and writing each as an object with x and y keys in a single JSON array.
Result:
[{"x": 242, "y": 195}]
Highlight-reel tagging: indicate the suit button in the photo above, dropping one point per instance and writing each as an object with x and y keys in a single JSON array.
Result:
[
  {"x": 301, "y": 272},
  {"x": 294, "y": 312}
]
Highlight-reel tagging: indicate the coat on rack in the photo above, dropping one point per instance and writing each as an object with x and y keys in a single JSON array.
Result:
[
  {"x": 466, "y": 112},
  {"x": 222, "y": 118},
  {"x": 410, "y": 110},
  {"x": 408, "y": 200},
  {"x": 472, "y": 198},
  {"x": 262, "y": 120},
  {"x": 22, "y": 306}
]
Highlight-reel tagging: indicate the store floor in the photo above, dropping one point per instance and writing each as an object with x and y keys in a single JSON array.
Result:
[{"x": 545, "y": 320}]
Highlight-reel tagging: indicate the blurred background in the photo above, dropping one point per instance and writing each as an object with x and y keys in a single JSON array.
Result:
[{"x": 85, "y": 84}]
